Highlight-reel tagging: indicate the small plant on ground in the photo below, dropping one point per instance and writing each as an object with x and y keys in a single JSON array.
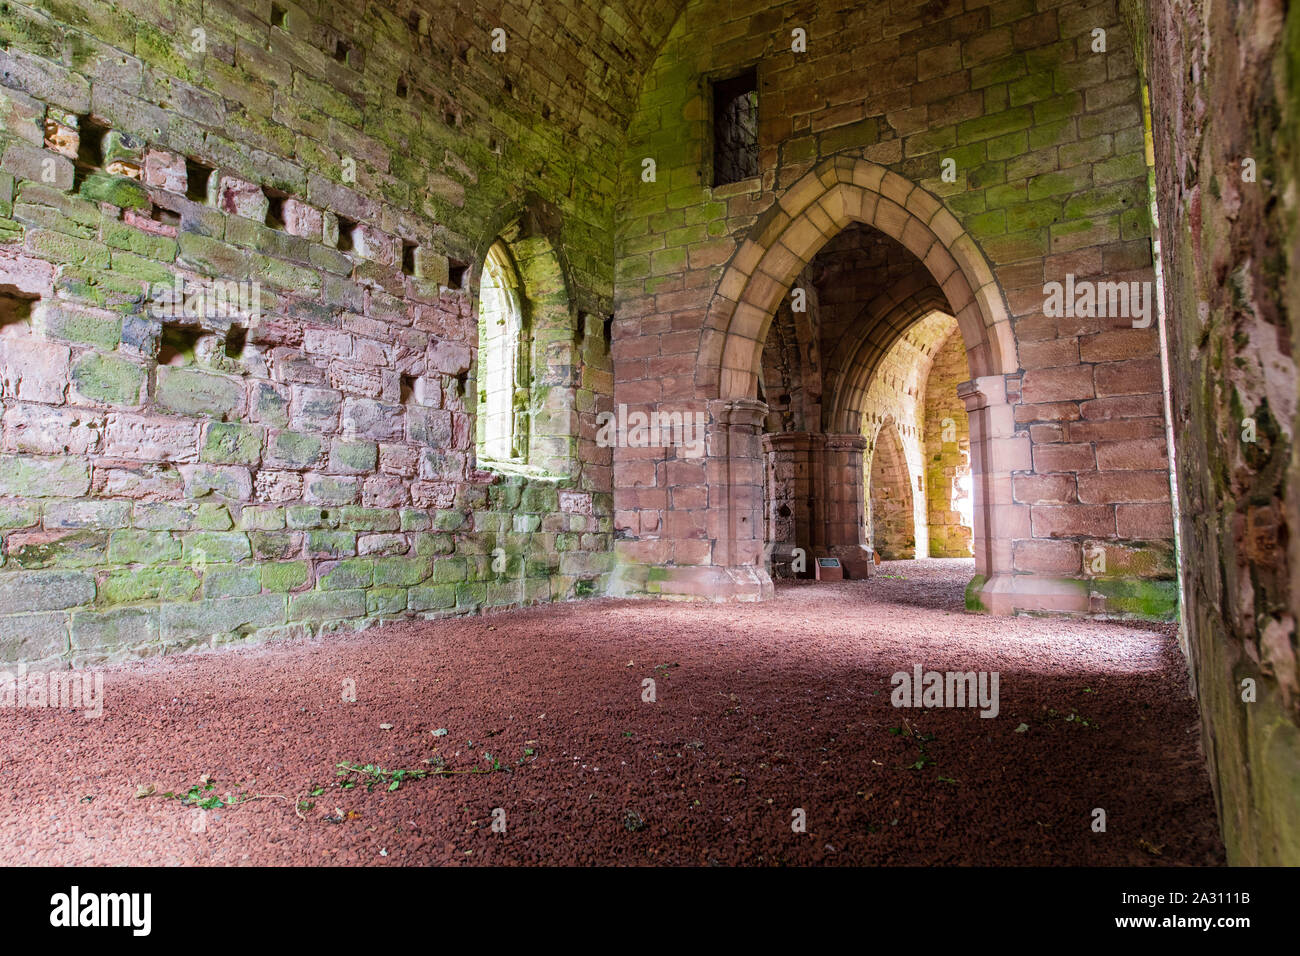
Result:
[
  {"x": 923, "y": 759},
  {"x": 1073, "y": 718},
  {"x": 203, "y": 796},
  {"x": 372, "y": 776}
]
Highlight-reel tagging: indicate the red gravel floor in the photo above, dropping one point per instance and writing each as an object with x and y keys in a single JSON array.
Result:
[{"x": 760, "y": 710}]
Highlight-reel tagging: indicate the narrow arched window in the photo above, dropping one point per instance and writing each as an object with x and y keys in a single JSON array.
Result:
[{"x": 503, "y": 374}]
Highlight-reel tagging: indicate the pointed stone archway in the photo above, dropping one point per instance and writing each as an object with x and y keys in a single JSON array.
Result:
[
  {"x": 889, "y": 490},
  {"x": 837, "y": 193}
]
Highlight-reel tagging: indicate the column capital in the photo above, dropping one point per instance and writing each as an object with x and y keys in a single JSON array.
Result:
[
  {"x": 983, "y": 391},
  {"x": 793, "y": 441},
  {"x": 738, "y": 411},
  {"x": 846, "y": 441}
]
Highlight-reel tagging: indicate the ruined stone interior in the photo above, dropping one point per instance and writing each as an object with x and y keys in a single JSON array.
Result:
[{"x": 314, "y": 316}]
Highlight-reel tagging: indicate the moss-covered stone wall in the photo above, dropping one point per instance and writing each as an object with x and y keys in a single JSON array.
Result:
[
  {"x": 1225, "y": 96},
  {"x": 170, "y": 475}
]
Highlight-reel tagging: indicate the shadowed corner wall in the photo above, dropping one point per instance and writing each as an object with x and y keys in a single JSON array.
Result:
[{"x": 1225, "y": 89}]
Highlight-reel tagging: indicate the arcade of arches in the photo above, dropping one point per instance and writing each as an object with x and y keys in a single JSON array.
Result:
[{"x": 475, "y": 259}]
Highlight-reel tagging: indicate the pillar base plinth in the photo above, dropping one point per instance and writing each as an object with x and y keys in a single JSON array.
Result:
[
  {"x": 741, "y": 584},
  {"x": 1027, "y": 594}
]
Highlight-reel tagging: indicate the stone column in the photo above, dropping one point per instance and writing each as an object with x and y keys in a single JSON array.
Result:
[
  {"x": 997, "y": 451},
  {"x": 736, "y": 468},
  {"x": 843, "y": 492},
  {"x": 815, "y": 494},
  {"x": 713, "y": 551},
  {"x": 795, "y": 507},
  {"x": 977, "y": 402}
]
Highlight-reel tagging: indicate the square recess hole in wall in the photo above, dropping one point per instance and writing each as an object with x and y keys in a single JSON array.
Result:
[
  {"x": 345, "y": 241},
  {"x": 274, "y": 207},
  {"x": 90, "y": 148},
  {"x": 236, "y": 340},
  {"x": 409, "y": 264},
  {"x": 179, "y": 344},
  {"x": 735, "y": 128},
  {"x": 456, "y": 273},
  {"x": 197, "y": 176},
  {"x": 16, "y": 311},
  {"x": 164, "y": 216}
]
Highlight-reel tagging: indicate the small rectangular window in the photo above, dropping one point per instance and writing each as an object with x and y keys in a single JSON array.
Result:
[
  {"x": 735, "y": 128},
  {"x": 90, "y": 151},
  {"x": 236, "y": 341},
  {"x": 166, "y": 217}
]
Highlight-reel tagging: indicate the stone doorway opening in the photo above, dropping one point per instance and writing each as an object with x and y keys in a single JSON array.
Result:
[{"x": 866, "y": 441}]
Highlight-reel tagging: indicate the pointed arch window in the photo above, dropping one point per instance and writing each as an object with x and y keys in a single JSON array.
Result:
[{"x": 503, "y": 401}]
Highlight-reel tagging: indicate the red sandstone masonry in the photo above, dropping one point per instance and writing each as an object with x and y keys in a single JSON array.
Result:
[
  {"x": 1138, "y": 486},
  {"x": 1133, "y": 455},
  {"x": 1050, "y": 557},
  {"x": 1144, "y": 521},
  {"x": 1054, "y": 521},
  {"x": 1064, "y": 458},
  {"x": 1136, "y": 377},
  {"x": 1046, "y": 489},
  {"x": 1056, "y": 385}
]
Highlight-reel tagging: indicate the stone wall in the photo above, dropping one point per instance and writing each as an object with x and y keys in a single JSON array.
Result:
[
  {"x": 947, "y": 452},
  {"x": 1225, "y": 84},
  {"x": 169, "y": 479}
]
